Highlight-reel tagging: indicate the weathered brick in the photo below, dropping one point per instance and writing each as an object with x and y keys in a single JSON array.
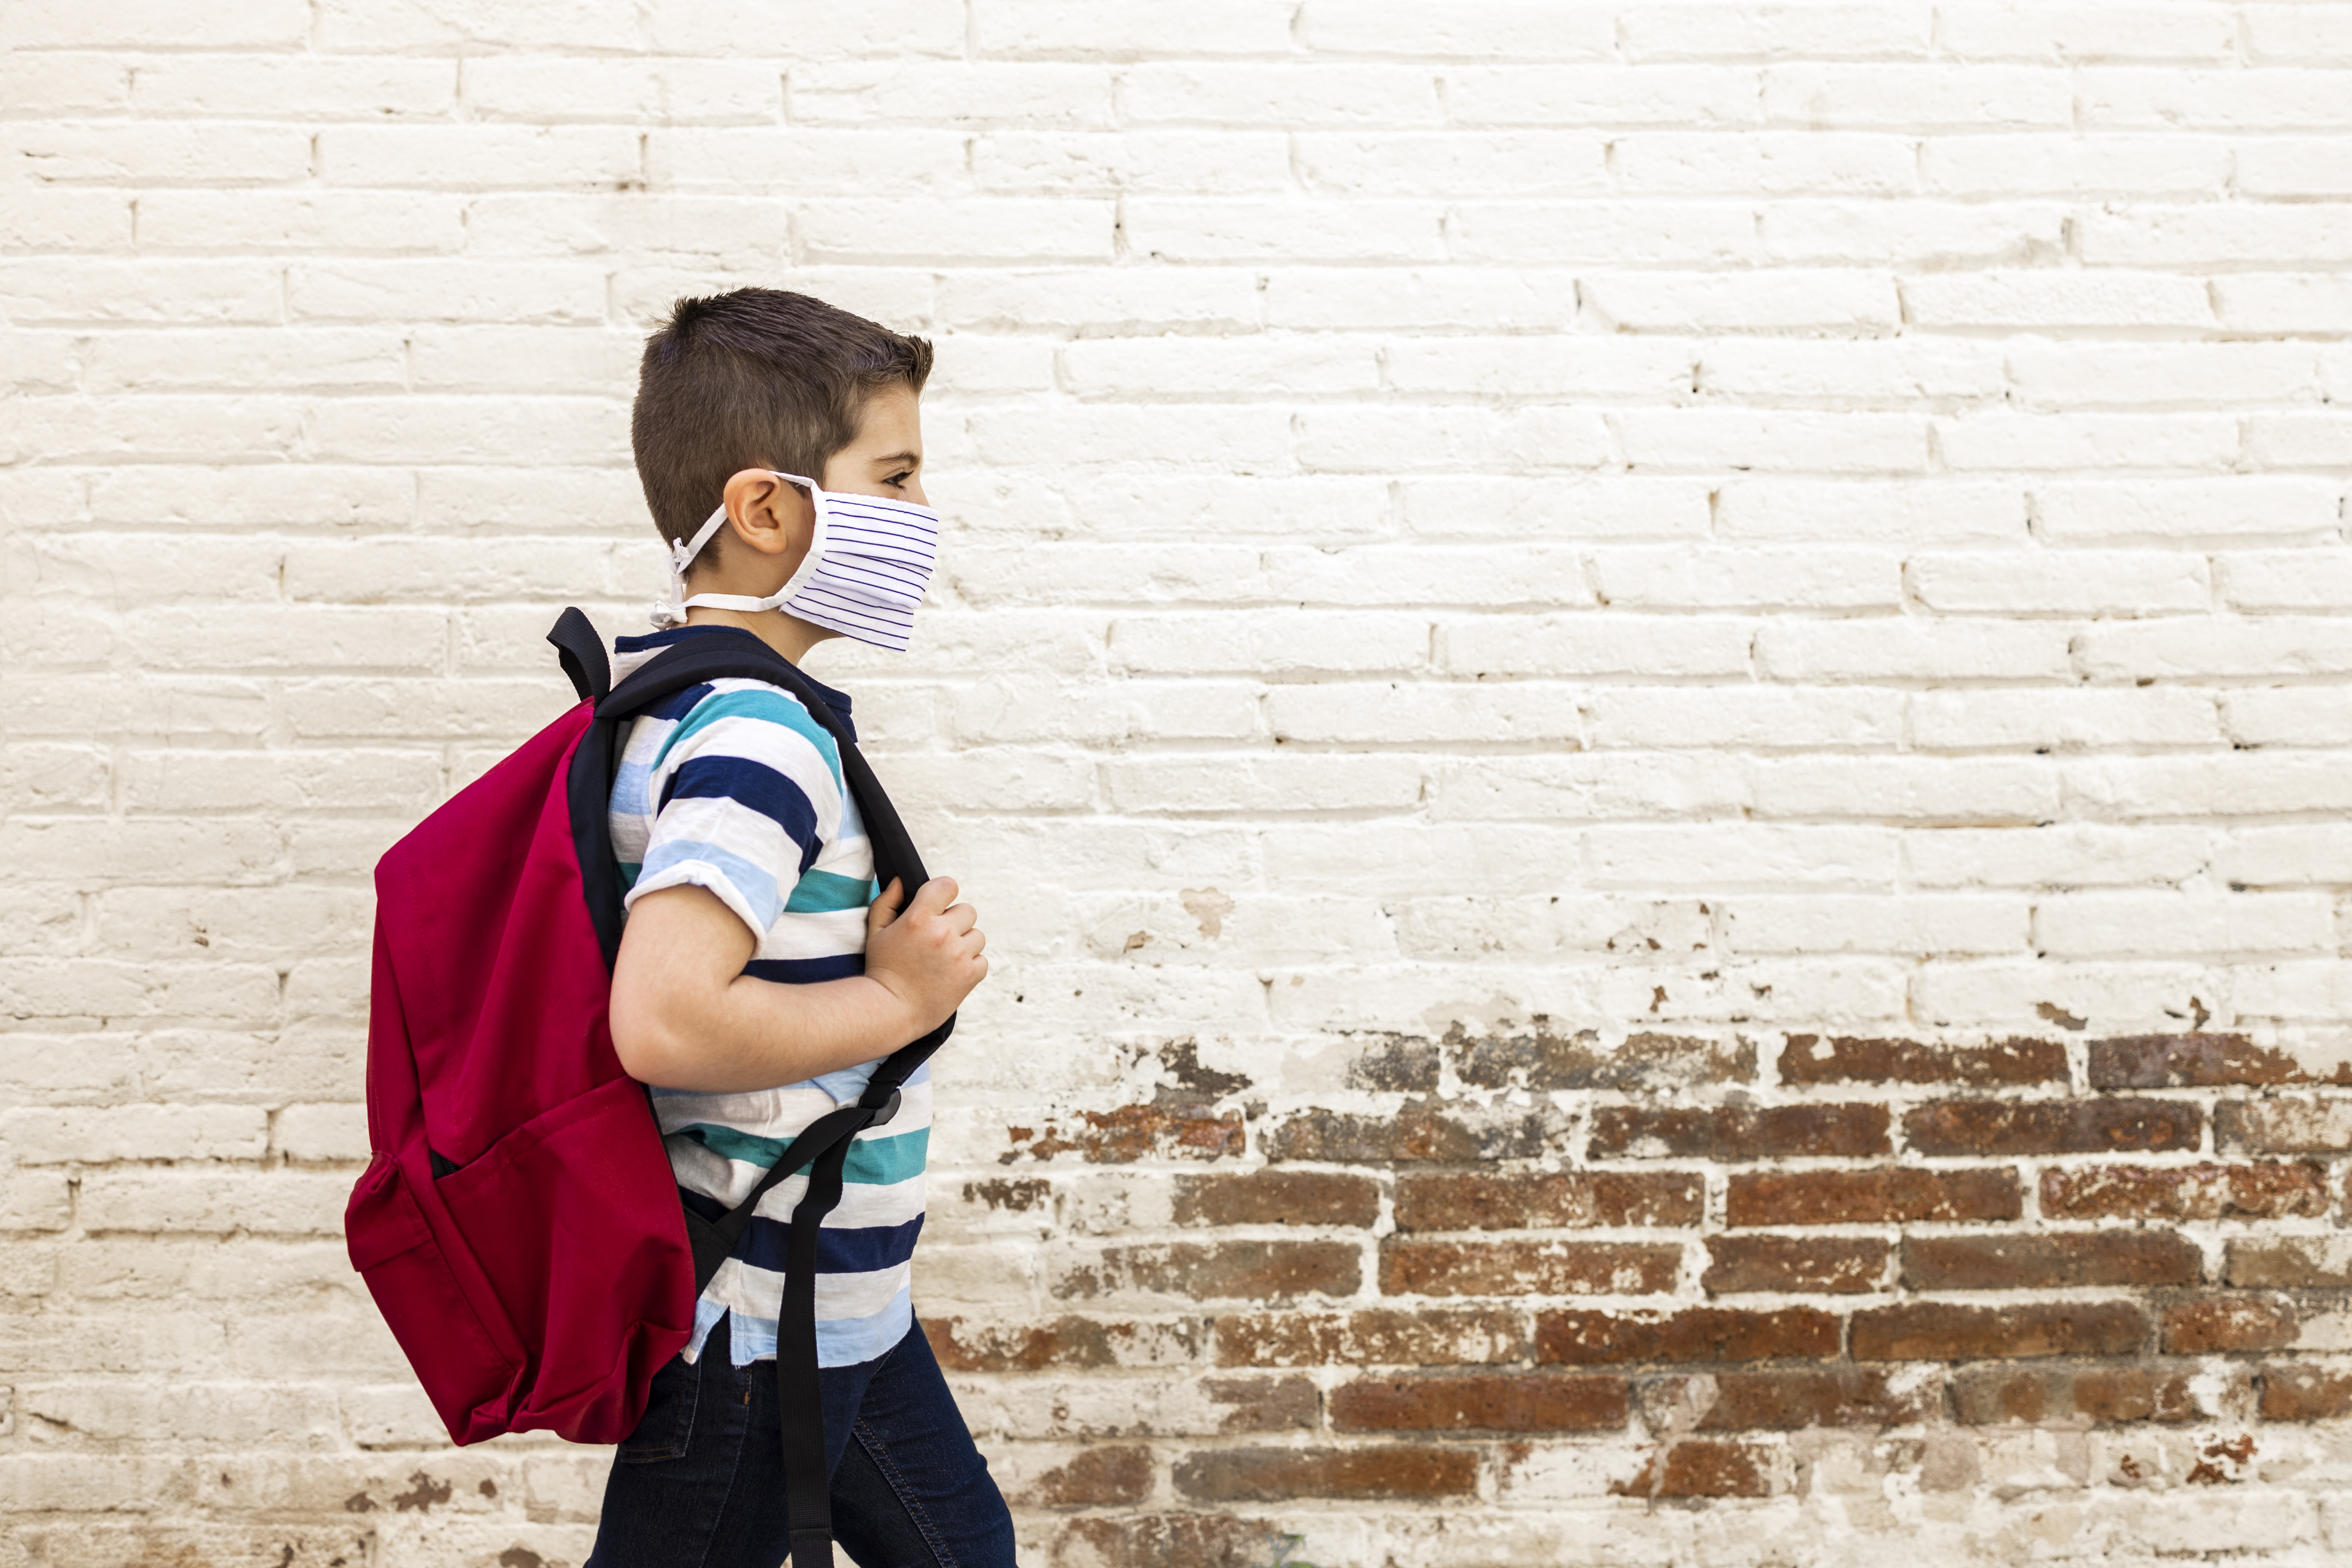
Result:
[
  {"x": 1388, "y": 1472},
  {"x": 1264, "y": 1404},
  {"x": 1277, "y": 1197},
  {"x": 1783, "y": 1401},
  {"x": 1886, "y": 1196},
  {"x": 1739, "y": 1132},
  {"x": 1166, "y": 1541},
  {"x": 2291, "y": 1262},
  {"x": 1421, "y": 1131},
  {"x": 1810, "y": 1060},
  {"x": 1132, "y": 1132},
  {"x": 2287, "y": 1125},
  {"x": 2305, "y": 1391},
  {"x": 1546, "y": 1200},
  {"x": 1935, "y": 1331},
  {"x": 1645, "y": 1063},
  {"x": 963, "y": 1345},
  {"x": 1694, "y": 1335},
  {"x": 1480, "y": 1401},
  {"x": 2213, "y": 1324},
  {"x": 1983, "y": 1395},
  {"x": 1702, "y": 1468},
  {"x": 2202, "y": 1061},
  {"x": 1527, "y": 1268},
  {"x": 2111, "y": 1258},
  {"x": 1991, "y": 1127},
  {"x": 1375, "y": 1337},
  {"x": 1738, "y": 1264},
  {"x": 1234, "y": 1269},
  {"x": 2184, "y": 1191},
  {"x": 1097, "y": 1477}
]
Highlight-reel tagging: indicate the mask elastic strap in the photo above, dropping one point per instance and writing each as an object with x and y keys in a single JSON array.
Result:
[{"x": 671, "y": 612}]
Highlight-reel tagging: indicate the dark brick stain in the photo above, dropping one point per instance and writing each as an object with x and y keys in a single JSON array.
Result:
[
  {"x": 1480, "y": 1401},
  {"x": 1922, "y": 1330},
  {"x": 2112, "y": 1257},
  {"x": 1546, "y": 1200},
  {"x": 1694, "y": 1335},
  {"x": 2221, "y": 1323},
  {"x": 2293, "y": 1261},
  {"x": 1527, "y": 1268},
  {"x": 1993, "y": 1127},
  {"x": 1735, "y": 1132},
  {"x": 1071, "y": 1342},
  {"x": 1421, "y": 1129},
  {"x": 2304, "y": 1393},
  {"x": 1700, "y": 1469},
  {"x": 1265, "y": 1403},
  {"x": 1373, "y": 1337},
  {"x": 2199, "y": 1061},
  {"x": 1100, "y": 1476},
  {"x": 2209, "y": 1191},
  {"x": 1172, "y": 1541},
  {"x": 1014, "y": 1194},
  {"x": 1830, "y": 1265},
  {"x": 423, "y": 1493},
  {"x": 1403, "y": 1064},
  {"x": 1383, "y": 1473},
  {"x": 1996, "y": 1395},
  {"x": 1221, "y": 1270},
  {"x": 1195, "y": 1084},
  {"x": 1810, "y": 1060},
  {"x": 1277, "y": 1197},
  {"x": 1132, "y": 1132},
  {"x": 1886, "y": 1196},
  {"x": 1644, "y": 1064}
]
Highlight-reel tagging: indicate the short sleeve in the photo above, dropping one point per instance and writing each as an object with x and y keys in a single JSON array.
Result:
[{"x": 745, "y": 794}]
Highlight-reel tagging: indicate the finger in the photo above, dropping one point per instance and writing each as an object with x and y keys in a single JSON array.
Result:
[
  {"x": 960, "y": 918},
  {"x": 934, "y": 895},
  {"x": 885, "y": 907}
]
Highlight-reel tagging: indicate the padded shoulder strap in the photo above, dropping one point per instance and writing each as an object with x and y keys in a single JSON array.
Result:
[{"x": 582, "y": 653}]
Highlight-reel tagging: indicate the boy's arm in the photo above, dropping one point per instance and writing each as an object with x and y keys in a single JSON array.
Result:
[{"x": 684, "y": 1016}]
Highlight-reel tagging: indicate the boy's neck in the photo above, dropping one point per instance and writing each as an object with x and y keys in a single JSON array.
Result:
[{"x": 788, "y": 635}]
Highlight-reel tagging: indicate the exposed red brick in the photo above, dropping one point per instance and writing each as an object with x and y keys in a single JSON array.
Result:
[
  {"x": 1527, "y": 1268},
  {"x": 1646, "y": 1064},
  {"x": 1014, "y": 1194},
  {"x": 1539, "y": 1200},
  {"x": 2287, "y": 1125},
  {"x": 1238, "y": 1270},
  {"x": 2308, "y": 1261},
  {"x": 1935, "y": 1331},
  {"x": 1809, "y": 1058},
  {"x": 1421, "y": 1131},
  {"x": 2305, "y": 1391},
  {"x": 2200, "y": 1061},
  {"x": 1992, "y": 1126},
  {"x": 1132, "y": 1132},
  {"x": 1095, "y": 1477},
  {"x": 1277, "y": 1197},
  {"x": 1786, "y": 1401},
  {"x": 1694, "y": 1334},
  {"x": 1386, "y": 1472},
  {"x": 1480, "y": 1401},
  {"x": 2050, "y": 1261},
  {"x": 1987, "y": 1395},
  {"x": 1738, "y": 1132},
  {"x": 1168, "y": 1540},
  {"x": 2222, "y": 1323},
  {"x": 1265, "y": 1403},
  {"x": 1380, "y": 1336},
  {"x": 1834, "y": 1265},
  {"x": 1702, "y": 1468},
  {"x": 1890, "y": 1194},
  {"x": 1067, "y": 1342},
  {"x": 2185, "y": 1192}
]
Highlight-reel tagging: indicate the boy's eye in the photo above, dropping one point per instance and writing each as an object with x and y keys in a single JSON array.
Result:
[{"x": 898, "y": 480}]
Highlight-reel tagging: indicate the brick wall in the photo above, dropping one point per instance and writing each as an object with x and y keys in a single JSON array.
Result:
[{"x": 1651, "y": 703}]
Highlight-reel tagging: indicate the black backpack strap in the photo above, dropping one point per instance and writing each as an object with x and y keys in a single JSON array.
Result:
[
  {"x": 582, "y": 653},
  {"x": 823, "y": 1147}
]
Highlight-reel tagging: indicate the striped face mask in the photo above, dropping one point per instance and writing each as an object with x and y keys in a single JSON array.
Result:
[{"x": 868, "y": 561}]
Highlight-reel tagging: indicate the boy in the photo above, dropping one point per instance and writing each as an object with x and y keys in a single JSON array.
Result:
[{"x": 761, "y": 976}]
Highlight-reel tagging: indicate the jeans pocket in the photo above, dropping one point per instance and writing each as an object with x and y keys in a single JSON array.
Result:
[{"x": 667, "y": 1425}]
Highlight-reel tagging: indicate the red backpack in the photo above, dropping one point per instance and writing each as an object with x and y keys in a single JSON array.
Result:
[{"x": 517, "y": 1225}]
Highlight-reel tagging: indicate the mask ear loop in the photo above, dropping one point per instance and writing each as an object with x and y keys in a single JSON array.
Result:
[{"x": 672, "y": 611}]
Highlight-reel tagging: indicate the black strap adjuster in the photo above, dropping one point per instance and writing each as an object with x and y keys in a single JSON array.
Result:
[{"x": 884, "y": 1112}]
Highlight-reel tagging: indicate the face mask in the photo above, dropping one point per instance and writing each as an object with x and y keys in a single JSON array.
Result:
[{"x": 868, "y": 561}]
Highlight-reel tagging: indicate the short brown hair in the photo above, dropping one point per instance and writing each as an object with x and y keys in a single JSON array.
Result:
[{"x": 756, "y": 378}]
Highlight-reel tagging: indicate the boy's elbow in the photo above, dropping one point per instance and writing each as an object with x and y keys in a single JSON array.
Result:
[{"x": 652, "y": 1048}]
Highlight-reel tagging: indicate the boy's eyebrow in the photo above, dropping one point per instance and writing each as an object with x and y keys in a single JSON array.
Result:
[{"x": 896, "y": 459}]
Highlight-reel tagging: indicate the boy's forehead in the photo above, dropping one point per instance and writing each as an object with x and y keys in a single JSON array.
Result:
[{"x": 891, "y": 425}]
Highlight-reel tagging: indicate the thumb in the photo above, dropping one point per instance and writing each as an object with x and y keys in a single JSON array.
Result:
[{"x": 885, "y": 907}]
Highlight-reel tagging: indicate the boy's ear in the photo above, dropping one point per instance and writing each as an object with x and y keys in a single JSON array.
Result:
[{"x": 771, "y": 516}]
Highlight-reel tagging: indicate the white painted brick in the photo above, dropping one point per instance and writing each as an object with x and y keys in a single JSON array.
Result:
[
  {"x": 1002, "y": 230},
  {"x": 1921, "y": 233},
  {"x": 2089, "y": 441},
  {"x": 1610, "y": 95},
  {"x": 809, "y": 29},
  {"x": 2300, "y": 855},
  {"x": 1940, "y": 512},
  {"x": 1685, "y": 233},
  {"x": 1625, "y": 786},
  {"x": 123, "y": 24},
  {"x": 322, "y": 1133},
  {"x": 1539, "y": 576},
  {"x": 57, "y": 1134},
  {"x": 577, "y": 157},
  {"x": 1066, "y": 28},
  {"x": 2288, "y": 716},
  {"x": 1415, "y": 713},
  {"x": 271, "y": 223},
  {"x": 404, "y": 24},
  {"x": 1733, "y": 857},
  {"x": 2186, "y": 510},
  {"x": 1904, "y": 790},
  {"x": 1150, "y": 163},
  {"x": 1341, "y": 439},
  {"x": 46, "y": 290},
  {"x": 1796, "y": 577},
  {"x": 2231, "y": 783},
  {"x": 2055, "y": 376},
  {"x": 2081, "y": 720},
  {"x": 1275, "y": 644},
  {"x": 1768, "y": 162},
  {"x": 2111, "y": 163},
  {"x": 1745, "y": 718},
  {"x": 2153, "y": 98},
  {"x": 444, "y": 291},
  {"x": 1509, "y": 29},
  {"x": 2307, "y": 305},
  {"x": 2071, "y": 583},
  {"x": 1880, "y": 96},
  {"x": 1176, "y": 229},
  {"x": 371, "y": 357},
  {"x": 1684, "y": 439},
  {"x": 1127, "y": 301},
  {"x": 293, "y": 87},
  {"x": 1169, "y": 368},
  {"x": 1230, "y": 786},
  {"x": 2087, "y": 29},
  {"x": 967, "y": 94},
  {"x": 1826, "y": 300},
  {"x": 1451, "y": 162},
  {"x": 2058, "y": 855},
  {"x": 2298, "y": 34},
  {"x": 2218, "y": 646},
  {"x": 42, "y": 218},
  {"x": 2310, "y": 579},
  {"x": 2095, "y": 925},
  {"x": 1879, "y": 370},
  {"x": 2105, "y": 995},
  {"x": 1946, "y": 924},
  {"x": 1597, "y": 508},
  {"x": 2292, "y": 167},
  {"x": 2255, "y": 235},
  {"x": 541, "y": 90},
  {"x": 57, "y": 83},
  {"x": 1687, "y": 28},
  {"x": 2057, "y": 301},
  {"x": 1476, "y": 300},
  {"x": 1908, "y": 647},
  {"x": 1595, "y": 644}
]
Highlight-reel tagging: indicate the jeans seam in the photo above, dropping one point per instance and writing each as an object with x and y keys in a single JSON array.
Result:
[{"x": 871, "y": 1441}]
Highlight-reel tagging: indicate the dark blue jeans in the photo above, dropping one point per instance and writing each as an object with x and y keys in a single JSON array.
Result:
[{"x": 700, "y": 1482}]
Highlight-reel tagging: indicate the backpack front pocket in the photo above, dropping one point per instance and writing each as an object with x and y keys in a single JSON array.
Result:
[{"x": 425, "y": 1306}]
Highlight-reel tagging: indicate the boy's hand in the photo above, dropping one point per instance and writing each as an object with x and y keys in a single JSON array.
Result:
[{"x": 927, "y": 955}]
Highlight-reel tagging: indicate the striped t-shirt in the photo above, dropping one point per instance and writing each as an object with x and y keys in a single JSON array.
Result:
[{"x": 734, "y": 787}]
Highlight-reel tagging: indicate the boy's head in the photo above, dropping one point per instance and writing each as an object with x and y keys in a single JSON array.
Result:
[{"x": 760, "y": 379}]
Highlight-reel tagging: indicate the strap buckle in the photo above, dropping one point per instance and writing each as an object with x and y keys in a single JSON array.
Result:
[{"x": 885, "y": 1112}]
